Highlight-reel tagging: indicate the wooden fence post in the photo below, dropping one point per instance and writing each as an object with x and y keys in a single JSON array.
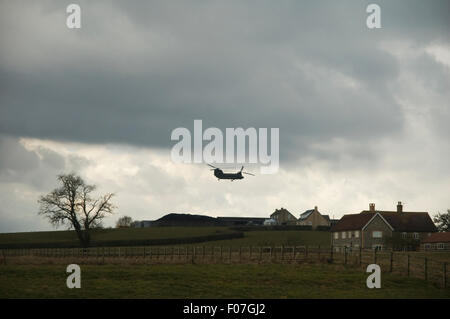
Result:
[
  {"x": 391, "y": 262},
  {"x": 426, "y": 268},
  {"x": 408, "y": 264},
  {"x": 331, "y": 253},
  {"x": 240, "y": 253},
  {"x": 360, "y": 256},
  {"x": 444, "y": 276}
]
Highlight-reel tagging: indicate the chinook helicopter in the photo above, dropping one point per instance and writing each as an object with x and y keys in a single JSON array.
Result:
[{"x": 232, "y": 176}]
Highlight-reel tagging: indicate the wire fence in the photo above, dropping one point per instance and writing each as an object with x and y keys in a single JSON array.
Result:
[{"x": 412, "y": 264}]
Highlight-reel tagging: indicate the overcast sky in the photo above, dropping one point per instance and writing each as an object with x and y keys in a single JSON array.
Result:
[{"x": 363, "y": 113}]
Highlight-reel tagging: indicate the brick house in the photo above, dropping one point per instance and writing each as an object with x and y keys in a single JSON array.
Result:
[
  {"x": 374, "y": 229},
  {"x": 283, "y": 217},
  {"x": 436, "y": 241},
  {"x": 313, "y": 218}
]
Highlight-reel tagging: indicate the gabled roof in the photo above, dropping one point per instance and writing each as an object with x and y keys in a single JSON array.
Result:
[
  {"x": 306, "y": 214},
  {"x": 280, "y": 211},
  {"x": 352, "y": 222},
  {"x": 438, "y": 238},
  {"x": 400, "y": 222}
]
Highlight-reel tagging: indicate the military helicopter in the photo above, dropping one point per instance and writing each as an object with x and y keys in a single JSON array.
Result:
[{"x": 232, "y": 176}]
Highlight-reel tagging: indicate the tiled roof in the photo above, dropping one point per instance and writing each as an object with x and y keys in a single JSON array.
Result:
[
  {"x": 306, "y": 214},
  {"x": 438, "y": 238},
  {"x": 401, "y": 222},
  {"x": 352, "y": 222}
]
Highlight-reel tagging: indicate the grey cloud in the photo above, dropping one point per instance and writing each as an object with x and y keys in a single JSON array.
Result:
[
  {"x": 160, "y": 65},
  {"x": 345, "y": 104}
]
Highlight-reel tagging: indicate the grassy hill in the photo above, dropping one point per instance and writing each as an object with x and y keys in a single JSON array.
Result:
[
  {"x": 168, "y": 236},
  {"x": 117, "y": 237}
]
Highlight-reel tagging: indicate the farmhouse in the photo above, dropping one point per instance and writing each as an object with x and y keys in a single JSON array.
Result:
[
  {"x": 283, "y": 217},
  {"x": 314, "y": 219},
  {"x": 376, "y": 229},
  {"x": 436, "y": 241}
]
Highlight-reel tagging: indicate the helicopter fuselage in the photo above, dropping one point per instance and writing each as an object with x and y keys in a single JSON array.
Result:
[{"x": 221, "y": 175}]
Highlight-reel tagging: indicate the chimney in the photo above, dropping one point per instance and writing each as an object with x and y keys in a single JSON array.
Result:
[
  {"x": 399, "y": 207},
  {"x": 372, "y": 207}
]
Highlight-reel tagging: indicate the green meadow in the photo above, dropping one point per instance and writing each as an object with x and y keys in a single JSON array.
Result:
[{"x": 209, "y": 281}]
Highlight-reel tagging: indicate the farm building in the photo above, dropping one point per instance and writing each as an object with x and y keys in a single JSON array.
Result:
[
  {"x": 313, "y": 218},
  {"x": 283, "y": 217},
  {"x": 270, "y": 222},
  {"x": 376, "y": 229},
  {"x": 141, "y": 223},
  {"x": 240, "y": 221},
  {"x": 436, "y": 241}
]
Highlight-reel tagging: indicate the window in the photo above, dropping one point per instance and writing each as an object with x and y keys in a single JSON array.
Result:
[
  {"x": 377, "y": 247},
  {"x": 416, "y": 235},
  {"x": 427, "y": 246},
  {"x": 440, "y": 246},
  {"x": 336, "y": 235},
  {"x": 357, "y": 233},
  {"x": 404, "y": 235},
  {"x": 350, "y": 234},
  {"x": 343, "y": 235},
  {"x": 377, "y": 234}
]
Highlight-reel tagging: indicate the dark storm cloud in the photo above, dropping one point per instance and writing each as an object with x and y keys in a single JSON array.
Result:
[{"x": 135, "y": 72}]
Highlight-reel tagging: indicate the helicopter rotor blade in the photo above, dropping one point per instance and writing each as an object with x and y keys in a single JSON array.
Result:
[
  {"x": 248, "y": 173},
  {"x": 211, "y": 165}
]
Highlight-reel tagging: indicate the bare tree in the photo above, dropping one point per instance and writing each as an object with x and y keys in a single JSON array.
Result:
[
  {"x": 442, "y": 221},
  {"x": 124, "y": 221},
  {"x": 71, "y": 204}
]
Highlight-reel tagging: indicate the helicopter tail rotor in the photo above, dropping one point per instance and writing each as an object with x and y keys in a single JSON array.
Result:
[{"x": 241, "y": 171}]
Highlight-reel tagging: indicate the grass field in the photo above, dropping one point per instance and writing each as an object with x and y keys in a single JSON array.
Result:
[
  {"x": 208, "y": 281},
  {"x": 251, "y": 238},
  {"x": 105, "y": 235},
  {"x": 278, "y": 238}
]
